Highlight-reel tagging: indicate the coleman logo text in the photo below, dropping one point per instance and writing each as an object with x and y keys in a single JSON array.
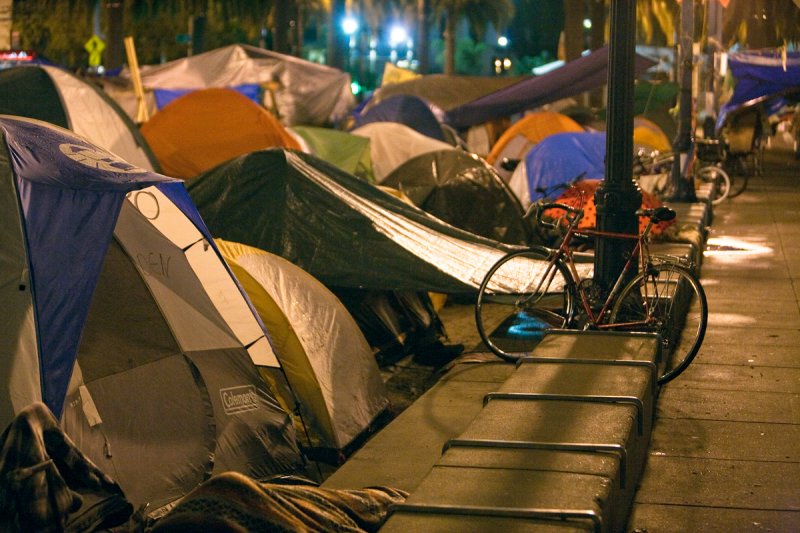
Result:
[{"x": 239, "y": 399}]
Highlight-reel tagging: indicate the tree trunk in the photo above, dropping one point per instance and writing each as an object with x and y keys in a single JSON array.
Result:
[
  {"x": 336, "y": 35},
  {"x": 114, "y": 39},
  {"x": 422, "y": 35},
  {"x": 280, "y": 29},
  {"x": 450, "y": 43},
  {"x": 574, "y": 12}
]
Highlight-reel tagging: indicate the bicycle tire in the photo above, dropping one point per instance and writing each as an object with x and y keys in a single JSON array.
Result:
[
  {"x": 670, "y": 299},
  {"x": 738, "y": 174},
  {"x": 720, "y": 182},
  {"x": 511, "y": 315}
]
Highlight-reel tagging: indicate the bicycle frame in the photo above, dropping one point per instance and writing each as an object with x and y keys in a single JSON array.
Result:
[{"x": 640, "y": 254}]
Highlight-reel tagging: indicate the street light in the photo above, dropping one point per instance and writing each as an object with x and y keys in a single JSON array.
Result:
[
  {"x": 350, "y": 25},
  {"x": 397, "y": 35}
]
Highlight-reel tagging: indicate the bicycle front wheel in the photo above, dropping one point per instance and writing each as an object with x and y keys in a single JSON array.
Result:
[
  {"x": 521, "y": 297},
  {"x": 719, "y": 180},
  {"x": 666, "y": 299}
]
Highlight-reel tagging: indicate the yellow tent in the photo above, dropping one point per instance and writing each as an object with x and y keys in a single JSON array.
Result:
[
  {"x": 327, "y": 361},
  {"x": 648, "y": 135}
]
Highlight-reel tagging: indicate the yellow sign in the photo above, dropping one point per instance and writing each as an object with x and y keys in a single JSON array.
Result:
[{"x": 95, "y": 47}]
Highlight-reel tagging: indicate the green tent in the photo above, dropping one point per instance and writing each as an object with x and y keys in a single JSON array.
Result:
[{"x": 347, "y": 151}]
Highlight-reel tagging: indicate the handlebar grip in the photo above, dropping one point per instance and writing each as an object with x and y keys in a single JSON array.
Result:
[{"x": 658, "y": 214}]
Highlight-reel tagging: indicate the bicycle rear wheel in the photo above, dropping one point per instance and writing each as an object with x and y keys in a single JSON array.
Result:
[
  {"x": 719, "y": 180},
  {"x": 738, "y": 173},
  {"x": 666, "y": 299},
  {"x": 521, "y": 298}
]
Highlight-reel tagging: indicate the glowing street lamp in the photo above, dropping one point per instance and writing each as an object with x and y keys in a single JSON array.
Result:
[
  {"x": 350, "y": 25},
  {"x": 397, "y": 35}
]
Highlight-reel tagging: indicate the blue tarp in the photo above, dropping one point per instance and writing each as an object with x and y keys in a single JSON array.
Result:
[
  {"x": 560, "y": 158},
  {"x": 406, "y": 109},
  {"x": 760, "y": 76},
  {"x": 165, "y": 96},
  {"x": 575, "y": 77}
]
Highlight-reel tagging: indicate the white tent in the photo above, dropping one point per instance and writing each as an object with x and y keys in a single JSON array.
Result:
[
  {"x": 328, "y": 362},
  {"x": 306, "y": 93},
  {"x": 54, "y": 95},
  {"x": 392, "y": 144}
]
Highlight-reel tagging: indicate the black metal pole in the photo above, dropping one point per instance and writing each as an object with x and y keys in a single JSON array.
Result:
[
  {"x": 618, "y": 196},
  {"x": 682, "y": 187}
]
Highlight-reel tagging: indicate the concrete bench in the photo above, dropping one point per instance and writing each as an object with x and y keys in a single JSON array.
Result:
[{"x": 558, "y": 441}]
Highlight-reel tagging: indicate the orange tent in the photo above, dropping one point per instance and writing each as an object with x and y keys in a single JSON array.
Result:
[
  {"x": 583, "y": 193},
  {"x": 204, "y": 128},
  {"x": 515, "y": 142}
]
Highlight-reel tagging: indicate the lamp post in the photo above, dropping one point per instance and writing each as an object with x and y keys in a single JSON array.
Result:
[
  {"x": 618, "y": 196},
  {"x": 682, "y": 187}
]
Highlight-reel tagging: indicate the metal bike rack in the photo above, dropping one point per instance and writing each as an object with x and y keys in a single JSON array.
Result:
[
  {"x": 619, "y": 362},
  {"x": 529, "y": 513},
  {"x": 590, "y": 398},
  {"x": 590, "y": 447},
  {"x": 644, "y": 334}
]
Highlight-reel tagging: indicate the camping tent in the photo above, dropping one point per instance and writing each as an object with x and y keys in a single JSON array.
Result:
[
  {"x": 374, "y": 251},
  {"x": 556, "y": 161},
  {"x": 761, "y": 76},
  {"x": 347, "y": 151},
  {"x": 304, "y": 92},
  {"x": 577, "y": 76},
  {"x": 392, "y": 144},
  {"x": 120, "y": 315},
  {"x": 327, "y": 361},
  {"x": 463, "y": 190},
  {"x": 412, "y": 111},
  {"x": 206, "y": 127},
  {"x": 649, "y": 136},
  {"x": 446, "y": 91},
  {"x": 341, "y": 230},
  {"x": 54, "y": 95},
  {"x": 517, "y": 140}
]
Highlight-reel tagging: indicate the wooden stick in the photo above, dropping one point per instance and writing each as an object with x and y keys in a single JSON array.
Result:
[{"x": 133, "y": 64}]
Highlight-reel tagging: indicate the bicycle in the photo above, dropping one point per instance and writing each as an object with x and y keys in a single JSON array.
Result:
[
  {"x": 528, "y": 292},
  {"x": 704, "y": 162}
]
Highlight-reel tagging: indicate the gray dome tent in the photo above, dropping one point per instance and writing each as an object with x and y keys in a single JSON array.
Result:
[{"x": 463, "y": 190}]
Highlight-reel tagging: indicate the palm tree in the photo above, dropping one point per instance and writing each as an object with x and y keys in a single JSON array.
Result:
[
  {"x": 479, "y": 13},
  {"x": 761, "y": 23}
]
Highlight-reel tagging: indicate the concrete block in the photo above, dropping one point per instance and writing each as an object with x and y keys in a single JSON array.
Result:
[{"x": 499, "y": 491}]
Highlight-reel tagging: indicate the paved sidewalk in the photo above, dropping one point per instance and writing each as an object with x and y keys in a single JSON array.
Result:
[
  {"x": 724, "y": 451},
  {"x": 725, "y": 448}
]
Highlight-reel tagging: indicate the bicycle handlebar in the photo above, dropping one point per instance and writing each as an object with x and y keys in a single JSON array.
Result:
[{"x": 573, "y": 214}]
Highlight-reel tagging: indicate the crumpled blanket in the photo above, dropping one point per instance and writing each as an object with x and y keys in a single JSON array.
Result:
[
  {"x": 47, "y": 484},
  {"x": 233, "y": 502}
]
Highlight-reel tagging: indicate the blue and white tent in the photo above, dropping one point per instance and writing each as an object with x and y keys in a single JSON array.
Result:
[
  {"x": 120, "y": 315},
  {"x": 557, "y": 161}
]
